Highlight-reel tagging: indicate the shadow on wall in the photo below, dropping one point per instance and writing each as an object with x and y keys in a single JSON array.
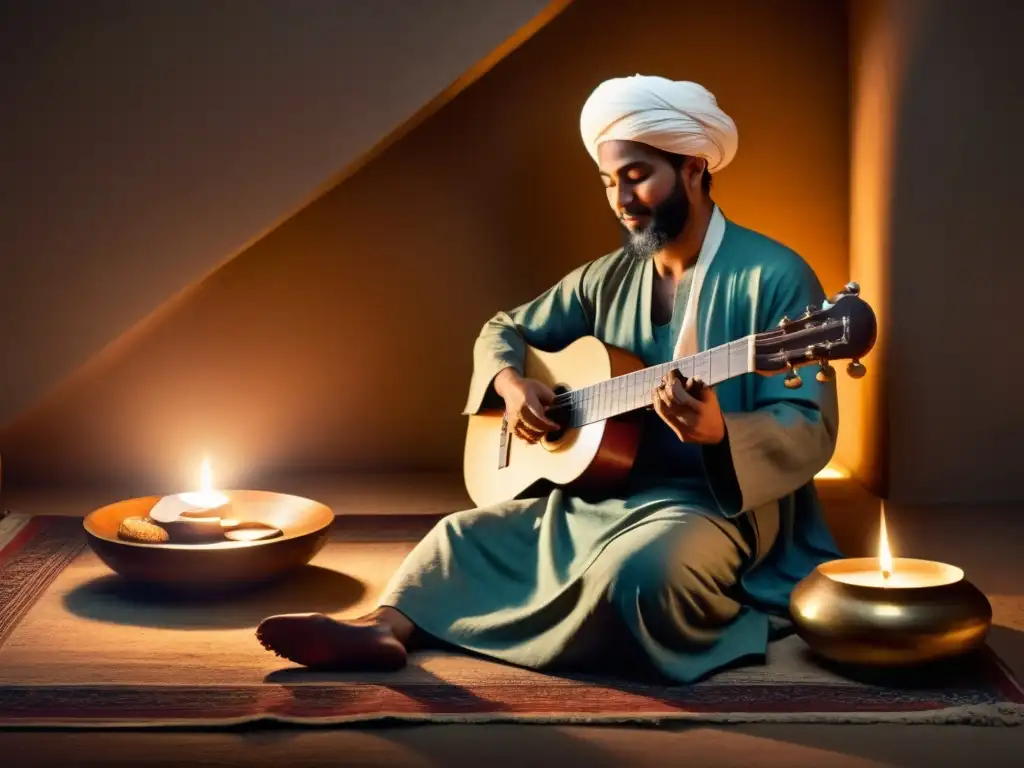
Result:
[
  {"x": 955, "y": 412},
  {"x": 144, "y": 144},
  {"x": 342, "y": 340}
]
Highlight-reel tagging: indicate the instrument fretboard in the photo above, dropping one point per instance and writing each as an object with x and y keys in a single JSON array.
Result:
[{"x": 631, "y": 391}]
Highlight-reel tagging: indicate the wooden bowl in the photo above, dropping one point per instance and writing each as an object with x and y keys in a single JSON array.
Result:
[{"x": 223, "y": 566}]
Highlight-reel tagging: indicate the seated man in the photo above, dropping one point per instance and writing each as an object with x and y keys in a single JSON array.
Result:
[{"x": 685, "y": 565}]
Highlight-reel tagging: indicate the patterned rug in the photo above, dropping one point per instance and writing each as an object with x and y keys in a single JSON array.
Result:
[{"x": 79, "y": 649}]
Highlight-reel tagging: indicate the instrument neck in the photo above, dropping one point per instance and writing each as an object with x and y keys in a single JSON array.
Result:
[{"x": 632, "y": 391}]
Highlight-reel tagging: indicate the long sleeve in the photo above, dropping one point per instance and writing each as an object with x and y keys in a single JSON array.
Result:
[
  {"x": 788, "y": 435},
  {"x": 556, "y": 318}
]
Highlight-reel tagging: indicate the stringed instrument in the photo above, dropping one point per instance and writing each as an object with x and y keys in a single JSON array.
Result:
[{"x": 599, "y": 387}]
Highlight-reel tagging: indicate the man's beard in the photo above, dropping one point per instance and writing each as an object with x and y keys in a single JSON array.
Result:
[{"x": 667, "y": 220}]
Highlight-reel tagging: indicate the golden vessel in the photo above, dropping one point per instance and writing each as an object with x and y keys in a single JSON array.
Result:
[{"x": 850, "y": 612}]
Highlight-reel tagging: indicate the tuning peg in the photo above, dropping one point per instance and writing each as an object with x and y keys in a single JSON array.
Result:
[
  {"x": 852, "y": 288},
  {"x": 809, "y": 310},
  {"x": 793, "y": 380},
  {"x": 783, "y": 322},
  {"x": 826, "y": 372},
  {"x": 856, "y": 369}
]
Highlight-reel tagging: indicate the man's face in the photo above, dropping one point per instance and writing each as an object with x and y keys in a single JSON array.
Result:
[{"x": 646, "y": 194}]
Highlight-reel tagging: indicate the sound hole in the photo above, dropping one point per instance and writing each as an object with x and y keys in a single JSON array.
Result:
[{"x": 561, "y": 417}]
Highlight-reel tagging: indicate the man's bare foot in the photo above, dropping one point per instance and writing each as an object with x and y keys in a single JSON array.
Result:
[{"x": 320, "y": 642}]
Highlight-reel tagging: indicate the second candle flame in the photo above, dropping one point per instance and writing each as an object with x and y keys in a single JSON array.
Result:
[{"x": 884, "y": 555}]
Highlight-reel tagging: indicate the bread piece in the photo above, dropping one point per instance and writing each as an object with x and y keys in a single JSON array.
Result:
[{"x": 142, "y": 530}]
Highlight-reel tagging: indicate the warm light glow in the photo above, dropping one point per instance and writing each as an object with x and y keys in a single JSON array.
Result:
[
  {"x": 206, "y": 497},
  {"x": 884, "y": 555},
  {"x": 888, "y": 610},
  {"x": 206, "y": 476},
  {"x": 810, "y": 609},
  {"x": 832, "y": 472}
]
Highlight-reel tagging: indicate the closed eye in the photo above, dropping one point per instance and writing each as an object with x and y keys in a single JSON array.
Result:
[{"x": 633, "y": 173}]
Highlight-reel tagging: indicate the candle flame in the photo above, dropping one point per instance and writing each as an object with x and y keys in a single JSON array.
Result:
[
  {"x": 205, "y": 476},
  {"x": 206, "y": 497},
  {"x": 884, "y": 555}
]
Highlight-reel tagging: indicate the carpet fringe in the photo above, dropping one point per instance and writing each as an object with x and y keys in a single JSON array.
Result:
[{"x": 990, "y": 715}]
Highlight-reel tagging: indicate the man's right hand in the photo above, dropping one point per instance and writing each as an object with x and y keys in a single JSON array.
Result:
[{"x": 526, "y": 401}]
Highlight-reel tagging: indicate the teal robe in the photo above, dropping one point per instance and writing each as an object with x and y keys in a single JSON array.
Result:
[{"x": 685, "y": 565}]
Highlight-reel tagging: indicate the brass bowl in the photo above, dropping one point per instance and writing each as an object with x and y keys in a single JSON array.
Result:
[
  {"x": 890, "y": 626},
  {"x": 219, "y": 567}
]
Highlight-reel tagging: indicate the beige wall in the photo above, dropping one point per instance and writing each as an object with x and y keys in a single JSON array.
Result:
[
  {"x": 143, "y": 144},
  {"x": 342, "y": 339},
  {"x": 936, "y": 204}
]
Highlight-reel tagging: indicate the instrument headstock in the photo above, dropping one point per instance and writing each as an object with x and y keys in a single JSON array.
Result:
[{"x": 842, "y": 328}]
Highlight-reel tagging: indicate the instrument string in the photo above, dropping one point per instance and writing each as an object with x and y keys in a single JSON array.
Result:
[{"x": 616, "y": 384}]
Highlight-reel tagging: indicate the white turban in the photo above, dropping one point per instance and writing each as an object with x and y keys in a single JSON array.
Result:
[{"x": 674, "y": 116}]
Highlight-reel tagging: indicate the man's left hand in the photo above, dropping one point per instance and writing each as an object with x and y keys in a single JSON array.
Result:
[{"x": 690, "y": 409}]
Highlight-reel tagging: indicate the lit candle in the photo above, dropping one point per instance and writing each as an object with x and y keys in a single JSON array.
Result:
[
  {"x": 886, "y": 611},
  {"x": 204, "y": 503},
  {"x": 888, "y": 572}
]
